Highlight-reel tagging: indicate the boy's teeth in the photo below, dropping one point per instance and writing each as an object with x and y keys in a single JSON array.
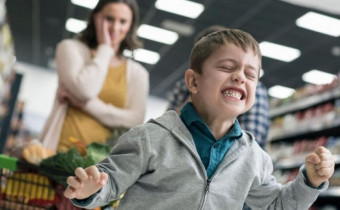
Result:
[{"x": 233, "y": 94}]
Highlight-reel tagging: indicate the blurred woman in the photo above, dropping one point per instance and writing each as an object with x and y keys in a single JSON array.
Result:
[{"x": 99, "y": 89}]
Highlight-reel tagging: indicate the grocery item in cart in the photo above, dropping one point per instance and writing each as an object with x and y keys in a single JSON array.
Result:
[
  {"x": 28, "y": 188},
  {"x": 35, "y": 153},
  {"x": 23, "y": 188},
  {"x": 63, "y": 164}
]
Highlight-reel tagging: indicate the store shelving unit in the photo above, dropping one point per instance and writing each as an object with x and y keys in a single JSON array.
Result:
[
  {"x": 7, "y": 118},
  {"x": 305, "y": 103},
  {"x": 286, "y": 146},
  {"x": 314, "y": 131},
  {"x": 296, "y": 162},
  {"x": 9, "y": 80}
]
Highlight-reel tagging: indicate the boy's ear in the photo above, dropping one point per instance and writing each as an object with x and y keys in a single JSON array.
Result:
[{"x": 191, "y": 80}]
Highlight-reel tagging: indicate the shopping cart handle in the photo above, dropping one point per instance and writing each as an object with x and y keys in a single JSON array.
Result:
[{"x": 8, "y": 162}]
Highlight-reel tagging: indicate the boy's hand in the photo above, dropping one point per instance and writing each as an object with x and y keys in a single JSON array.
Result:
[
  {"x": 319, "y": 166},
  {"x": 86, "y": 182}
]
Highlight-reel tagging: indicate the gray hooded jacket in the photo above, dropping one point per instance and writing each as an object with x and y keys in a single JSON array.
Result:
[{"x": 158, "y": 167}]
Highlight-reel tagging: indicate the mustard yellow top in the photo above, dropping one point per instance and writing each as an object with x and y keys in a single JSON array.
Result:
[{"x": 82, "y": 126}]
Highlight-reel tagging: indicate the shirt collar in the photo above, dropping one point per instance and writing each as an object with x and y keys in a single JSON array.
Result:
[{"x": 189, "y": 116}]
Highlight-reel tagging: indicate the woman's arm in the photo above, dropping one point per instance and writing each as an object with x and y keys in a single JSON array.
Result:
[
  {"x": 80, "y": 74},
  {"x": 134, "y": 112},
  {"x": 65, "y": 96}
]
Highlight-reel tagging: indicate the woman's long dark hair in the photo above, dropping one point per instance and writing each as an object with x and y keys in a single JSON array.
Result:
[{"x": 131, "y": 42}]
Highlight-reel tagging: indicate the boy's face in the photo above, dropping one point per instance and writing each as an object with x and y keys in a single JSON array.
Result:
[{"x": 226, "y": 87}]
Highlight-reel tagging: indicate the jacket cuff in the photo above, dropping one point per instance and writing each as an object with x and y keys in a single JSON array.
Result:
[
  {"x": 304, "y": 172},
  {"x": 303, "y": 182}
]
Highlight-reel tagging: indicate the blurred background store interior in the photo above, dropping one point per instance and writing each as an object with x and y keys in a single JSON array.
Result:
[
  {"x": 299, "y": 40},
  {"x": 37, "y": 26}
]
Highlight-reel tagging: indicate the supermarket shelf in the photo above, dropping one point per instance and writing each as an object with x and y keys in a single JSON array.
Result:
[
  {"x": 305, "y": 103},
  {"x": 5, "y": 126},
  {"x": 297, "y": 162},
  {"x": 289, "y": 163},
  {"x": 328, "y": 130}
]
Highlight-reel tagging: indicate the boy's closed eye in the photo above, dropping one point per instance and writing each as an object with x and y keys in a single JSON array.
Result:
[
  {"x": 251, "y": 76},
  {"x": 251, "y": 73},
  {"x": 226, "y": 68}
]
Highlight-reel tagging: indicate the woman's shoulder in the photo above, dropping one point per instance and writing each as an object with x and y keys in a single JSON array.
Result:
[
  {"x": 73, "y": 44},
  {"x": 134, "y": 66}
]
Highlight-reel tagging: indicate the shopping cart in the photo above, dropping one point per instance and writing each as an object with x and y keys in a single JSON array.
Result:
[{"x": 23, "y": 188}]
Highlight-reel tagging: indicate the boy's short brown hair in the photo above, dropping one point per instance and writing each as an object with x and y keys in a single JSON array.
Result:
[{"x": 206, "y": 45}]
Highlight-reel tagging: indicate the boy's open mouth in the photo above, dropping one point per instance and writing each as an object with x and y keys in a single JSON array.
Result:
[{"x": 234, "y": 93}]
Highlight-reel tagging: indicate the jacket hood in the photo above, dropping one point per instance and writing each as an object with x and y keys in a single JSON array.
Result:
[
  {"x": 179, "y": 129},
  {"x": 171, "y": 121}
]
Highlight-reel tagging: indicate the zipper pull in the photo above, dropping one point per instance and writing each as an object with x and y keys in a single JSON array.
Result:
[{"x": 207, "y": 186}]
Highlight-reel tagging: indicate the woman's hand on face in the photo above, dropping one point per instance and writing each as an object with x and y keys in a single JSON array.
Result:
[{"x": 102, "y": 29}]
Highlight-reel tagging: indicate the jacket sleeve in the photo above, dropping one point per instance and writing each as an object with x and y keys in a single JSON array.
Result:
[
  {"x": 133, "y": 113},
  {"x": 82, "y": 75},
  {"x": 272, "y": 195},
  {"x": 125, "y": 164}
]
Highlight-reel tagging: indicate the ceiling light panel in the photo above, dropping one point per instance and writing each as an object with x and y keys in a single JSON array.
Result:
[
  {"x": 90, "y": 4},
  {"x": 318, "y": 77},
  {"x": 320, "y": 23},
  {"x": 157, "y": 34},
  {"x": 182, "y": 29},
  {"x": 185, "y": 8},
  {"x": 281, "y": 92},
  {"x": 261, "y": 73},
  {"x": 279, "y": 52},
  {"x": 143, "y": 55},
  {"x": 75, "y": 25}
]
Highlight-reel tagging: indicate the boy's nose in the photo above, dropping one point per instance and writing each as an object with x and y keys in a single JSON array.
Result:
[{"x": 237, "y": 77}]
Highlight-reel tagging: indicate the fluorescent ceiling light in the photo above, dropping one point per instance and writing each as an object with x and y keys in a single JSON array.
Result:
[
  {"x": 75, "y": 25},
  {"x": 157, "y": 34},
  {"x": 319, "y": 23},
  {"x": 278, "y": 91},
  {"x": 328, "y": 6},
  {"x": 261, "y": 73},
  {"x": 85, "y": 3},
  {"x": 180, "y": 7},
  {"x": 279, "y": 52},
  {"x": 318, "y": 77},
  {"x": 142, "y": 55},
  {"x": 127, "y": 53},
  {"x": 181, "y": 28}
]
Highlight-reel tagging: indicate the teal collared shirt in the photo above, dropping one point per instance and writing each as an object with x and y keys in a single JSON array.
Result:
[{"x": 210, "y": 150}]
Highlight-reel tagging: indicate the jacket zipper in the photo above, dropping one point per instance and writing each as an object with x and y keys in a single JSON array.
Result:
[
  {"x": 207, "y": 184},
  {"x": 206, "y": 191}
]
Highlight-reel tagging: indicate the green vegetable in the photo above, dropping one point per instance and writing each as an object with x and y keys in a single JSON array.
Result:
[{"x": 63, "y": 164}]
